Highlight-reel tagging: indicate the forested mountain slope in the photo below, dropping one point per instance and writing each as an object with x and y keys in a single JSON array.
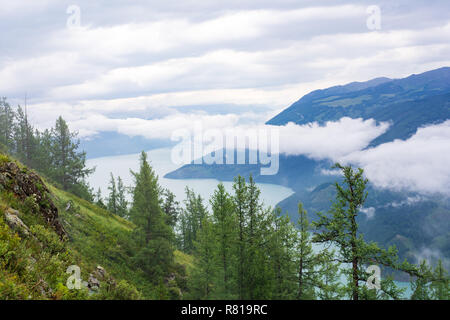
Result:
[{"x": 44, "y": 230}]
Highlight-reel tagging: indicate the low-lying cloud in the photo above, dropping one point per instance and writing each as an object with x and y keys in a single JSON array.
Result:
[{"x": 420, "y": 163}]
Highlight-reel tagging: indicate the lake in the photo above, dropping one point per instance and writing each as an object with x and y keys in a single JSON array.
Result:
[{"x": 160, "y": 161}]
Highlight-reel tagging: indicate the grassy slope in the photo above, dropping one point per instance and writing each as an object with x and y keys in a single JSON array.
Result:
[{"x": 96, "y": 237}]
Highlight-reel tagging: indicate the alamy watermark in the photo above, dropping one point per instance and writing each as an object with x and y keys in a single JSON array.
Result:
[
  {"x": 74, "y": 281},
  {"x": 373, "y": 22},
  {"x": 74, "y": 19},
  {"x": 230, "y": 147},
  {"x": 374, "y": 281}
]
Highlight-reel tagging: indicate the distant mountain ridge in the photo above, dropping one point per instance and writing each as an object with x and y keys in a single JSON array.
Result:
[
  {"x": 421, "y": 99},
  {"x": 407, "y": 104}
]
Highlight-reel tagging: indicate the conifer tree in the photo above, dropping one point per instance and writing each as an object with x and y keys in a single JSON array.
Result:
[
  {"x": 307, "y": 260},
  {"x": 282, "y": 239},
  {"x": 7, "y": 117},
  {"x": 112, "y": 204},
  {"x": 68, "y": 164},
  {"x": 193, "y": 215},
  {"x": 204, "y": 279},
  {"x": 122, "y": 202},
  {"x": 340, "y": 228},
  {"x": 224, "y": 221},
  {"x": 421, "y": 286},
  {"x": 154, "y": 238},
  {"x": 99, "y": 200},
  {"x": 240, "y": 205},
  {"x": 171, "y": 207},
  {"x": 440, "y": 285}
]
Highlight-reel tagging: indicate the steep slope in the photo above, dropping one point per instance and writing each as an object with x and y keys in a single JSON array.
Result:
[{"x": 44, "y": 230}]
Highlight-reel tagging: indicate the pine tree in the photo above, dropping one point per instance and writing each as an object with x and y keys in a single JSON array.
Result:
[
  {"x": 440, "y": 285},
  {"x": 340, "y": 228},
  {"x": 99, "y": 200},
  {"x": 112, "y": 204},
  {"x": 153, "y": 236},
  {"x": 204, "y": 279},
  {"x": 421, "y": 286},
  {"x": 307, "y": 260},
  {"x": 224, "y": 221},
  {"x": 171, "y": 207},
  {"x": 68, "y": 165},
  {"x": 240, "y": 205},
  {"x": 43, "y": 156},
  {"x": 192, "y": 216},
  {"x": 7, "y": 117},
  {"x": 25, "y": 141},
  {"x": 281, "y": 238},
  {"x": 122, "y": 202}
]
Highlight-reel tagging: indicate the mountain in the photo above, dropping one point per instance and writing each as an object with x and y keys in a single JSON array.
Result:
[
  {"x": 44, "y": 231},
  {"x": 111, "y": 143},
  {"x": 407, "y": 104}
]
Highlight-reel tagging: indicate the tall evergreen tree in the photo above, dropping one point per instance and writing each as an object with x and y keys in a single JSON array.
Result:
[
  {"x": 192, "y": 216},
  {"x": 204, "y": 279},
  {"x": 307, "y": 260},
  {"x": 240, "y": 205},
  {"x": 225, "y": 223},
  {"x": 440, "y": 285},
  {"x": 99, "y": 200},
  {"x": 171, "y": 207},
  {"x": 112, "y": 205},
  {"x": 282, "y": 240},
  {"x": 122, "y": 202},
  {"x": 340, "y": 228},
  {"x": 153, "y": 236},
  {"x": 68, "y": 165},
  {"x": 25, "y": 141},
  {"x": 7, "y": 118}
]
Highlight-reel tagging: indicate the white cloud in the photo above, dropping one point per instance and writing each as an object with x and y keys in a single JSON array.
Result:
[
  {"x": 369, "y": 212},
  {"x": 420, "y": 163},
  {"x": 332, "y": 140}
]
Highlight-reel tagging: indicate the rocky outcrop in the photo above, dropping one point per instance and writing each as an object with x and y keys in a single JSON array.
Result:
[
  {"x": 24, "y": 184},
  {"x": 14, "y": 222}
]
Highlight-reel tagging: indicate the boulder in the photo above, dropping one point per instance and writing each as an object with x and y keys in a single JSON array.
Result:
[
  {"x": 100, "y": 272},
  {"x": 24, "y": 183},
  {"x": 14, "y": 222},
  {"x": 93, "y": 283}
]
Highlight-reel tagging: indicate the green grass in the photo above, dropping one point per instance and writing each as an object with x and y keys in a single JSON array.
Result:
[{"x": 95, "y": 237}]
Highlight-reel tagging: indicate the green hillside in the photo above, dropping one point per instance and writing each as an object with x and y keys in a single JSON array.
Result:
[{"x": 36, "y": 248}]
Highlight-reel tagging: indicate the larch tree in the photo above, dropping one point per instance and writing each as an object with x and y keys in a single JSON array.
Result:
[
  {"x": 340, "y": 228},
  {"x": 225, "y": 223},
  {"x": 68, "y": 164},
  {"x": 112, "y": 204},
  {"x": 122, "y": 202},
  {"x": 154, "y": 238}
]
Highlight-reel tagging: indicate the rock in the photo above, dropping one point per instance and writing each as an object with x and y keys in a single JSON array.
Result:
[
  {"x": 26, "y": 184},
  {"x": 100, "y": 272},
  {"x": 170, "y": 277},
  {"x": 93, "y": 283},
  {"x": 13, "y": 211},
  {"x": 14, "y": 222}
]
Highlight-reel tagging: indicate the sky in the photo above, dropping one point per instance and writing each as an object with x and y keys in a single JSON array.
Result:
[{"x": 139, "y": 67}]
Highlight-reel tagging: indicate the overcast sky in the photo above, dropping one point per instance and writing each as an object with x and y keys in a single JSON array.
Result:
[
  {"x": 139, "y": 67},
  {"x": 139, "y": 59}
]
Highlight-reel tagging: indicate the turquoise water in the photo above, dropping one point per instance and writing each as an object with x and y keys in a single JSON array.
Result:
[{"x": 160, "y": 161}]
